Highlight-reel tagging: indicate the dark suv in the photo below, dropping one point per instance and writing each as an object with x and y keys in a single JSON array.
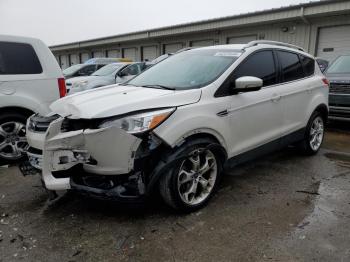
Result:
[{"x": 339, "y": 94}]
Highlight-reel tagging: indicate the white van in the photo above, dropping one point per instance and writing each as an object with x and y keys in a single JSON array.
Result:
[{"x": 30, "y": 80}]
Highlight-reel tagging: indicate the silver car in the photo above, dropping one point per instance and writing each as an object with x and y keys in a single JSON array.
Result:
[{"x": 108, "y": 75}]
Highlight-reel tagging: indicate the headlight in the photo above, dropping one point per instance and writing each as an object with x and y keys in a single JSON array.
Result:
[
  {"x": 79, "y": 84},
  {"x": 140, "y": 122}
]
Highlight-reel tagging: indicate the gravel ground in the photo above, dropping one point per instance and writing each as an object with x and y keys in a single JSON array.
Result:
[{"x": 283, "y": 207}]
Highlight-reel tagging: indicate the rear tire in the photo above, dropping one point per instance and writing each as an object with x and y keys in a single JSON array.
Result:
[
  {"x": 189, "y": 185},
  {"x": 13, "y": 142},
  {"x": 314, "y": 134}
]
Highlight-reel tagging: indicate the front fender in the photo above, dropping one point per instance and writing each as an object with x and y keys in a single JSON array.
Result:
[{"x": 192, "y": 120}]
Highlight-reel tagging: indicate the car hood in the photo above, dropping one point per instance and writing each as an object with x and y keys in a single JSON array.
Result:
[{"x": 118, "y": 99}]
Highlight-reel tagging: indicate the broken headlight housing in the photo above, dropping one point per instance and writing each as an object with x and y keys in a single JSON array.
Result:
[{"x": 139, "y": 123}]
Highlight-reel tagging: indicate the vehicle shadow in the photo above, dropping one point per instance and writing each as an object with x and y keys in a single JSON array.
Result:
[{"x": 254, "y": 173}]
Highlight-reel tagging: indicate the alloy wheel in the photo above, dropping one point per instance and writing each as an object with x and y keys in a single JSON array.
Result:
[
  {"x": 13, "y": 141},
  {"x": 197, "y": 176},
  {"x": 316, "y": 133}
]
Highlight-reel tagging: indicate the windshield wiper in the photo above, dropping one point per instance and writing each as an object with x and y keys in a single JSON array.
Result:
[{"x": 159, "y": 87}]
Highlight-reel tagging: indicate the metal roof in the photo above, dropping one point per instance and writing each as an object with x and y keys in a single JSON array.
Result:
[{"x": 313, "y": 8}]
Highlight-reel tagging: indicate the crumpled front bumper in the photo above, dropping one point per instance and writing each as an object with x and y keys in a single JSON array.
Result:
[{"x": 106, "y": 151}]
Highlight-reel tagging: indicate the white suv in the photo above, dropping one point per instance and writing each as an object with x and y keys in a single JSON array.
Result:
[
  {"x": 175, "y": 126},
  {"x": 30, "y": 80}
]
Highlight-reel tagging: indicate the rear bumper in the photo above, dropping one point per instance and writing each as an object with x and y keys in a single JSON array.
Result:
[{"x": 339, "y": 113}]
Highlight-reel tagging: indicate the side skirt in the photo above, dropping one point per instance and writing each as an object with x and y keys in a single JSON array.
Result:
[{"x": 275, "y": 145}]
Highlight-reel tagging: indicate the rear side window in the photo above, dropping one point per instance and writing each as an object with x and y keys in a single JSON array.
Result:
[
  {"x": 18, "y": 58},
  {"x": 308, "y": 65},
  {"x": 290, "y": 65},
  {"x": 261, "y": 65}
]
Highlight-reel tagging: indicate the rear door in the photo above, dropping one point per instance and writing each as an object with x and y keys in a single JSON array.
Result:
[
  {"x": 296, "y": 82},
  {"x": 256, "y": 117}
]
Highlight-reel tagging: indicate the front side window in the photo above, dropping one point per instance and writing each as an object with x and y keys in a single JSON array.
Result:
[
  {"x": 290, "y": 65},
  {"x": 189, "y": 69},
  {"x": 261, "y": 65},
  {"x": 18, "y": 58},
  {"x": 340, "y": 66}
]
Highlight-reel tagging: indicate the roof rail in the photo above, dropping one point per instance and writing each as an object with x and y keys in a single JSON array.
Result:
[{"x": 267, "y": 42}]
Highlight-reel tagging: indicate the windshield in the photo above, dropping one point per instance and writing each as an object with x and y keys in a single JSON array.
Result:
[
  {"x": 340, "y": 66},
  {"x": 107, "y": 70},
  {"x": 72, "y": 69},
  {"x": 189, "y": 69}
]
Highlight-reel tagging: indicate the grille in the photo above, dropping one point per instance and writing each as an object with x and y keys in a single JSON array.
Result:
[
  {"x": 339, "y": 89},
  {"x": 78, "y": 124},
  {"x": 39, "y": 123}
]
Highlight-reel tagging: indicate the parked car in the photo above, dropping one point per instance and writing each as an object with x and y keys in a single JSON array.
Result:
[
  {"x": 90, "y": 66},
  {"x": 323, "y": 64},
  {"x": 107, "y": 60},
  {"x": 30, "y": 80},
  {"x": 160, "y": 58},
  {"x": 81, "y": 70},
  {"x": 107, "y": 75},
  {"x": 175, "y": 126},
  {"x": 339, "y": 95}
]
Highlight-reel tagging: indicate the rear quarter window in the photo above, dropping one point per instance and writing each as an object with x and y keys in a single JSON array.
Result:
[
  {"x": 290, "y": 66},
  {"x": 308, "y": 65},
  {"x": 18, "y": 58}
]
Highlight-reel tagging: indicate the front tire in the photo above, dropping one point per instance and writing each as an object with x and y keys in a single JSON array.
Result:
[
  {"x": 189, "y": 185},
  {"x": 314, "y": 134}
]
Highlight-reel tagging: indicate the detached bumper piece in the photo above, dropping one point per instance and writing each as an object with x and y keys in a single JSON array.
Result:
[
  {"x": 27, "y": 169},
  {"x": 120, "y": 188}
]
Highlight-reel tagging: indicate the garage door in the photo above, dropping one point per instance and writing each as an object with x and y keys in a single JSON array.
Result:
[
  {"x": 241, "y": 39},
  {"x": 64, "y": 61},
  {"x": 202, "y": 43},
  {"x": 98, "y": 54},
  {"x": 333, "y": 42},
  {"x": 129, "y": 53},
  {"x": 84, "y": 57},
  {"x": 172, "y": 48},
  {"x": 74, "y": 59},
  {"x": 113, "y": 53},
  {"x": 149, "y": 53}
]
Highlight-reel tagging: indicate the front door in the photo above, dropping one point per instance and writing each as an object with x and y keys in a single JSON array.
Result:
[{"x": 256, "y": 117}]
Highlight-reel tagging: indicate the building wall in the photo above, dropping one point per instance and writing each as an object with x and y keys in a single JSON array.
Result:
[{"x": 301, "y": 32}]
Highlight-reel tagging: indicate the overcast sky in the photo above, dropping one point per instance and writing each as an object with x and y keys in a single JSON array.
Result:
[{"x": 63, "y": 21}]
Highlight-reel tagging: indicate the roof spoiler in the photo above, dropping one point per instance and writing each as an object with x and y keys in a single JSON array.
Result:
[{"x": 266, "y": 42}]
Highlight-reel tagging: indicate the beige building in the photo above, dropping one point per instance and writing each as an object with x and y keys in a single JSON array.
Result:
[{"x": 322, "y": 28}]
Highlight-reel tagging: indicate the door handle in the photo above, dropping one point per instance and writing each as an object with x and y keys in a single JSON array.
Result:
[{"x": 276, "y": 98}]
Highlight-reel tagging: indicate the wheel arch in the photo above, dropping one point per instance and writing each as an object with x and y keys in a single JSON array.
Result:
[
  {"x": 16, "y": 109},
  {"x": 323, "y": 109},
  {"x": 217, "y": 146}
]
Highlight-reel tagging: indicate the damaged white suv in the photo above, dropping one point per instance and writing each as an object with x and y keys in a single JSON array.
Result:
[{"x": 174, "y": 127}]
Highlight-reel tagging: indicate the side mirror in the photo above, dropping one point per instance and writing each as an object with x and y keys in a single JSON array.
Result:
[{"x": 247, "y": 84}]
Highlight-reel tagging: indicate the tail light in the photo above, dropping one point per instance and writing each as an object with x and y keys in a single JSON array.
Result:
[
  {"x": 326, "y": 82},
  {"x": 62, "y": 87}
]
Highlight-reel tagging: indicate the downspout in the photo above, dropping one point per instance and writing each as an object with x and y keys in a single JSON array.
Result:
[{"x": 307, "y": 22}]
